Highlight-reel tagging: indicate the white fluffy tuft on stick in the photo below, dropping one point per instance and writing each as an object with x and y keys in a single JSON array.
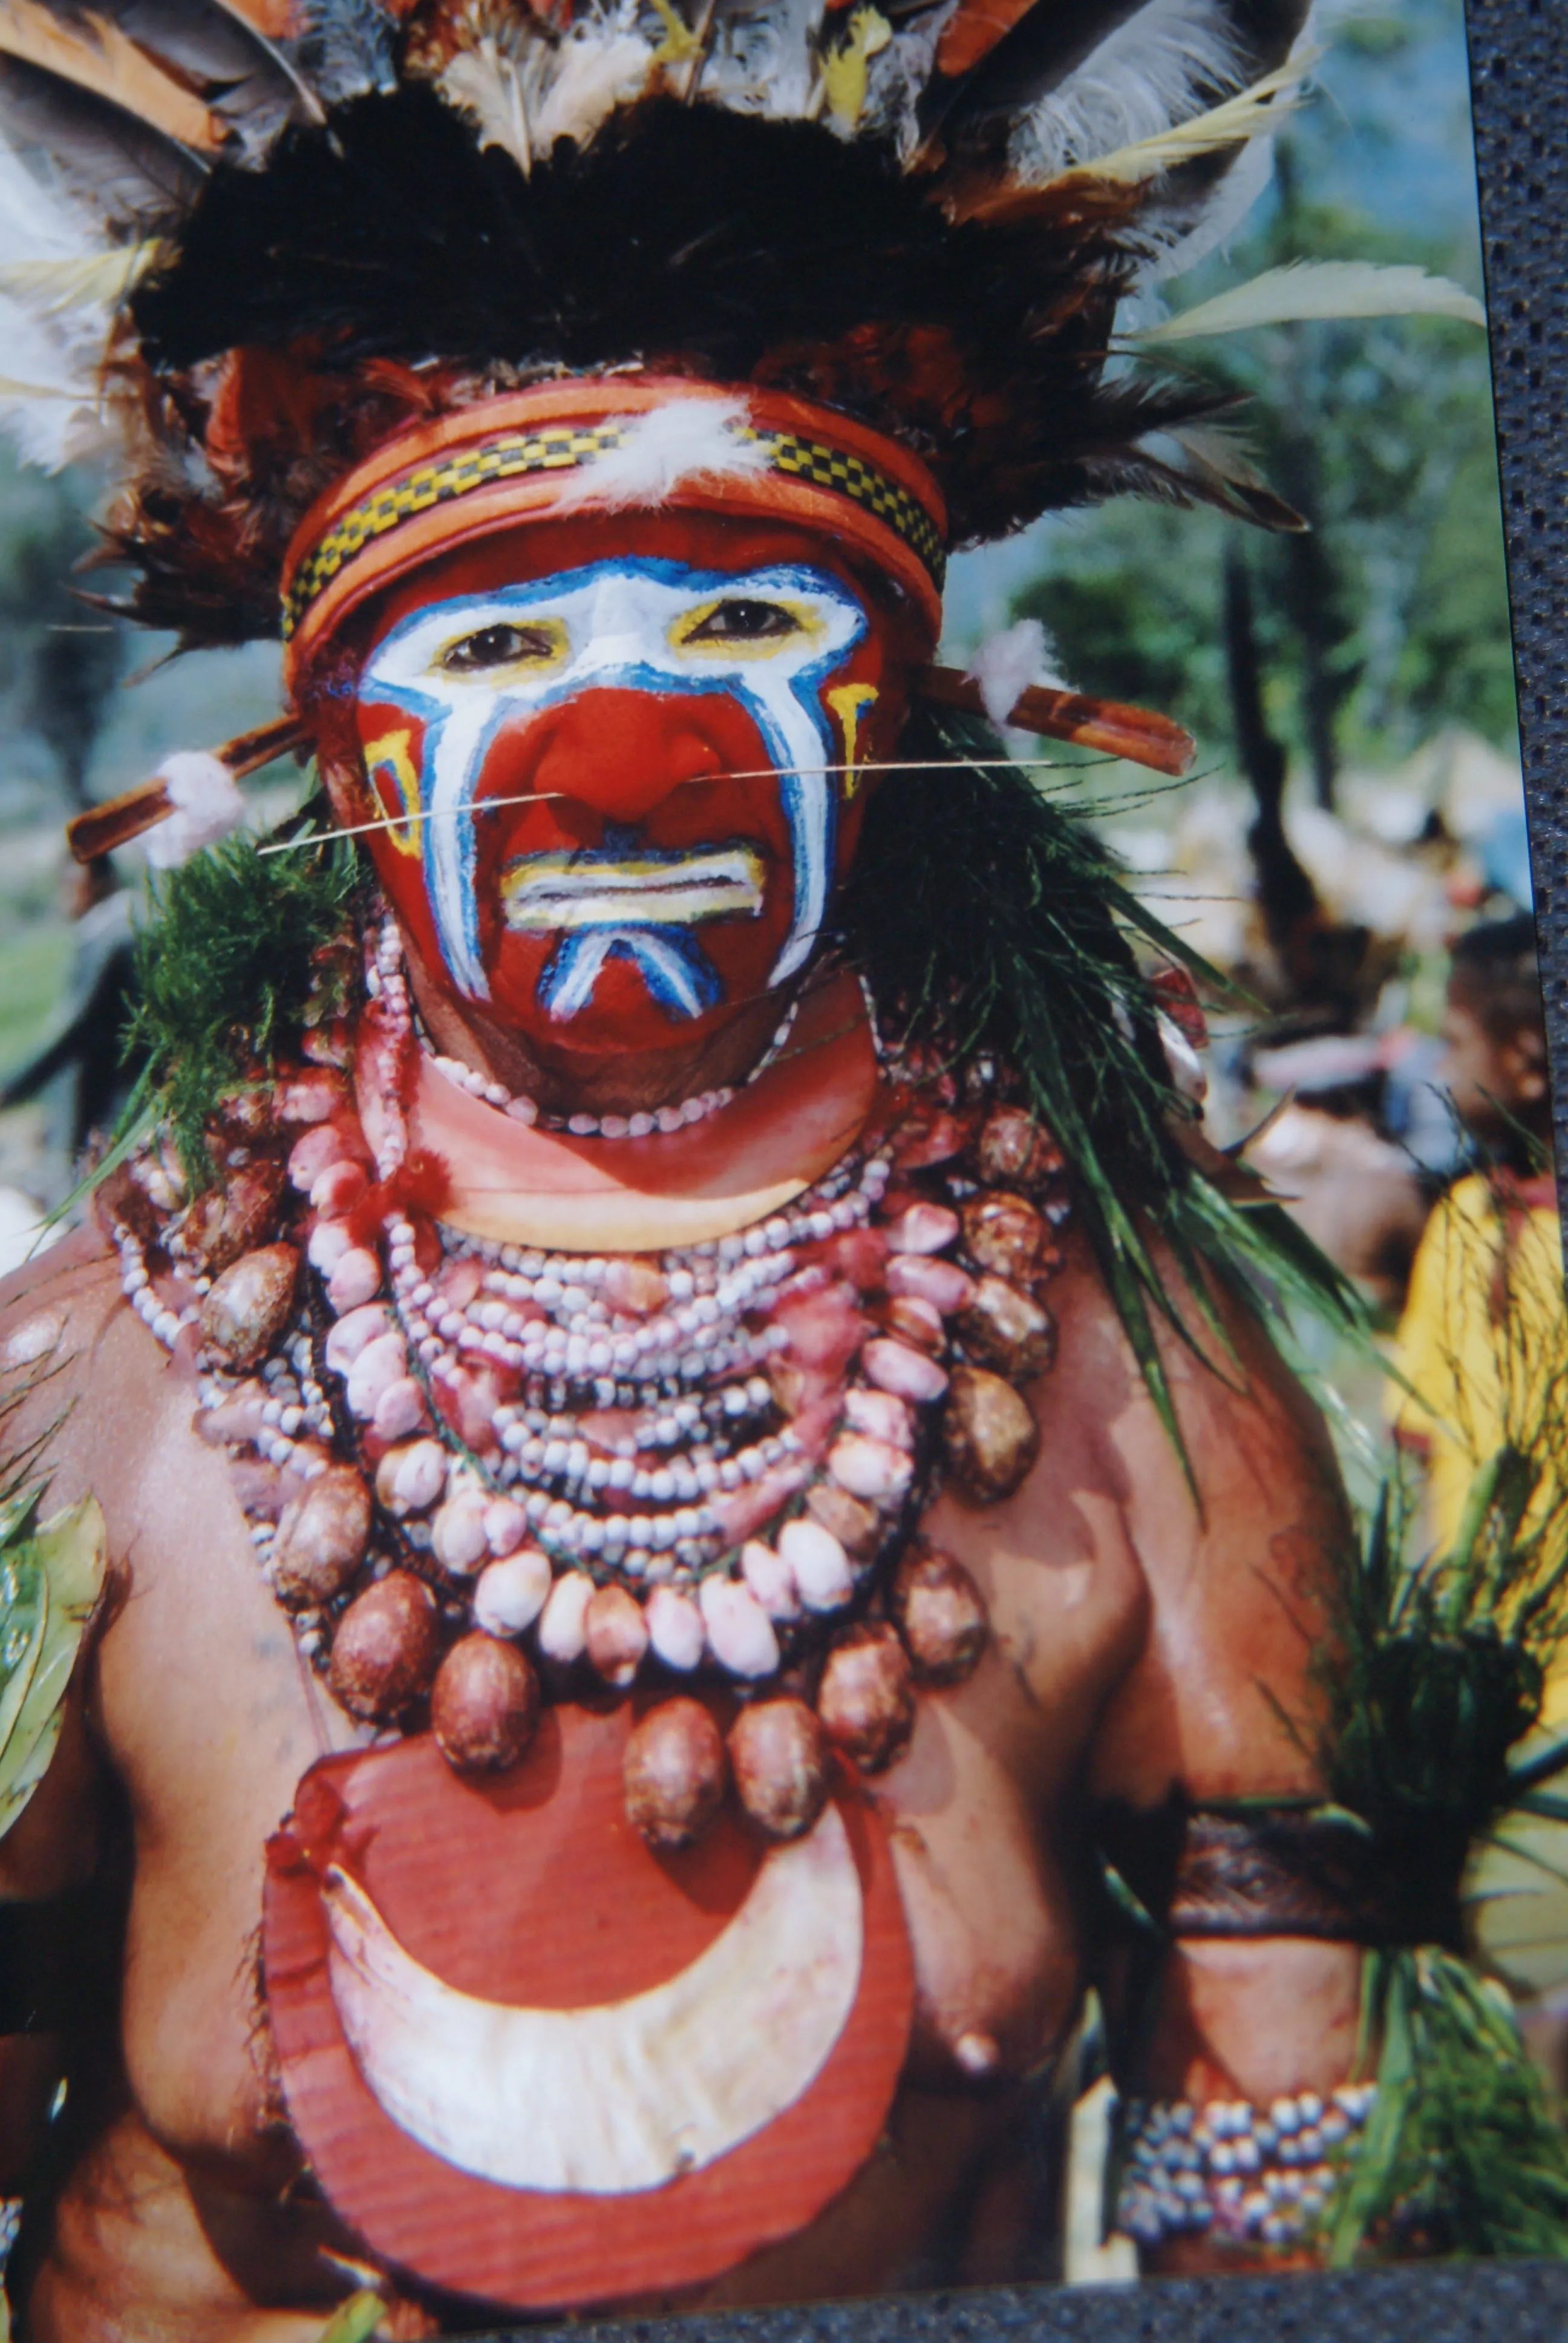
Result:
[
  {"x": 689, "y": 439},
  {"x": 206, "y": 804},
  {"x": 1008, "y": 665}
]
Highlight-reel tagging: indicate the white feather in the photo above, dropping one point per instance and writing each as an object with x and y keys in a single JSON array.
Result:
[
  {"x": 595, "y": 73},
  {"x": 60, "y": 283},
  {"x": 762, "y": 57},
  {"x": 524, "y": 91},
  {"x": 689, "y": 439},
  {"x": 1152, "y": 71},
  {"x": 1308, "y": 289},
  {"x": 1006, "y": 665},
  {"x": 1219, "y": 217}
]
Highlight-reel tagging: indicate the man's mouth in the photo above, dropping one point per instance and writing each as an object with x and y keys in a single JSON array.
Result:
[{"x": 548, "y": 893}]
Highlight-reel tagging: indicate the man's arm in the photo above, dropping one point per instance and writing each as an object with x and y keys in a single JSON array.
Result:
[{"x": 1218, "y": 1705}]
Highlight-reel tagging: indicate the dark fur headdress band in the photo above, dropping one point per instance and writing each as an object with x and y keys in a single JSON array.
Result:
[{"x": 610, "y": 442}]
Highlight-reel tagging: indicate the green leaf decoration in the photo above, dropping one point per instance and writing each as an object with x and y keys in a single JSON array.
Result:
[
  {"x": 50, "y": 1580},
  {"x": 23, "y": 1620},
  {"x": 245, "y": 948},
  {"x": 355, "y": 2321},
  {"x": 987, "y": 918},
  {"x": 1461, "y": 2153}
]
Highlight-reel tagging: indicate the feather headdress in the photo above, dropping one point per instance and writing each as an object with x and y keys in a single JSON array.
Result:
[{"x": 259, "y": 236}]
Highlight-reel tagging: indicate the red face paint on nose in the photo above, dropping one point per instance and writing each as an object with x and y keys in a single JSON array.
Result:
[{"x": 619, "y": 754}]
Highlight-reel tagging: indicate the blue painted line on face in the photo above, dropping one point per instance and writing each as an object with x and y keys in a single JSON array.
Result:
[{"x": 783, "y": 702}]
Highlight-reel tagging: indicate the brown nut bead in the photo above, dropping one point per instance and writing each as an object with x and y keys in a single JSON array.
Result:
[
  {"x": 857, "y": 1525},
  {"x": 1014, "y": 1152},
  {"x": 1003, "y": 1233},
  {"x": 384, "y": 1652},
  {"x": 229, "y": 1220},
  {"x": 322, "y": 1537},
  {"x": 485, "y": 1705},
  {"x": 782, "y": 1765},
  {"x": 247, "y": 1309},
  {"x": 989, "y": 1436},
  {"x": 675, "y": 1774},
  {"x": 866, "y": 1699},
  {"x": 617, "y": 1635},
  {"x": 1010, "y": 1331},
  {"x": 941, "y": 1616}
]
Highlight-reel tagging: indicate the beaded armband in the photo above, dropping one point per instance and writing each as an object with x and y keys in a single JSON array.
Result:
[{"x": 1231, "y": 2170}]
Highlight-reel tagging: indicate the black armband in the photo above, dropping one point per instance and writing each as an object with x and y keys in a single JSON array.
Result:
[{"x": 1240, "y": 1871}]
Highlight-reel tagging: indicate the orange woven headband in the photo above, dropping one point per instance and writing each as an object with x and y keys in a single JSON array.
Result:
[{"x": 532, "y": 453}]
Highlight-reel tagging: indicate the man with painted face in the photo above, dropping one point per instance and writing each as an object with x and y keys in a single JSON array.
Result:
[{"x": 675, "y": 1477}]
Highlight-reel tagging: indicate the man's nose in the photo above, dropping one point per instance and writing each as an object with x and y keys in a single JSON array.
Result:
[{"x": 620, "y": 752}]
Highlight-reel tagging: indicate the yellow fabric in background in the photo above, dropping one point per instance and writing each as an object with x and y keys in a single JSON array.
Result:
[{"x": 1483, "y": 1342}]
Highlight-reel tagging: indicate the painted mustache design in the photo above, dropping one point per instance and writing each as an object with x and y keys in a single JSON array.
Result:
[{"x": 546, "y": 893}]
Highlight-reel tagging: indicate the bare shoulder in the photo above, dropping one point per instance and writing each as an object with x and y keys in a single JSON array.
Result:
[{"x": 1212, "y": 1559}]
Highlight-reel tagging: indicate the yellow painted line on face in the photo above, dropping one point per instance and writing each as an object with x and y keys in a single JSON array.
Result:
[
  {"x": 390, "y": 755},
  {"x": 849, "y": 702},
  {"x": 550, "y": 892}
]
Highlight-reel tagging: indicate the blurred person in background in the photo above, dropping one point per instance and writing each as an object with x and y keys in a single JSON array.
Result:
[{"x": 1484, "y": 1335}]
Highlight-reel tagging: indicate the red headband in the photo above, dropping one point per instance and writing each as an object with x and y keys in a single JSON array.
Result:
[{"x": 504, "y": 460}]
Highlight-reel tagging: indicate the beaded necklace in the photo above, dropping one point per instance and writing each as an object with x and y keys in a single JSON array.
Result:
[{"x": 709, "y": 1463}]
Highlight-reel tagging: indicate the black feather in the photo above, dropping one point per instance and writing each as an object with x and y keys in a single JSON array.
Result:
[{"x": 712, "y": 244}]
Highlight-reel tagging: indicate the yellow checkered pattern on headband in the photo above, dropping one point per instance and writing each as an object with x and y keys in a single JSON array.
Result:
[{"x": 565, "y": 446}]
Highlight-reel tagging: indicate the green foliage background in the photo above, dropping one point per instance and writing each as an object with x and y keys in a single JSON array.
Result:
[{"x": 1381, "y": 431}]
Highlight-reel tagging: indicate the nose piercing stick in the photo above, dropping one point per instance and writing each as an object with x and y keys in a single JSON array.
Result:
[{"x": 1136, "y": 734}]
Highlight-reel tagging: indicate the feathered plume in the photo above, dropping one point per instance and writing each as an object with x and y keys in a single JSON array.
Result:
[{"x": 298, "y": 230}]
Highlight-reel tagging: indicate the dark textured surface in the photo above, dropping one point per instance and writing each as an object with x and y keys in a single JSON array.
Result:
[
  {"x": 1519, "y": 62},
  {"x": 1485, "y": 2303},
  {"x": 1519, "y": 72}
]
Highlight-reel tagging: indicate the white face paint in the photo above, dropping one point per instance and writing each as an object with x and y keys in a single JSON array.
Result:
[{"x": 466, "y": 666}]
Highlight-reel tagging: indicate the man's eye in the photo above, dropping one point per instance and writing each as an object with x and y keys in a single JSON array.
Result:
[
  {"x": 497, "y": 647},
  {"x": 745, "y": 622}
]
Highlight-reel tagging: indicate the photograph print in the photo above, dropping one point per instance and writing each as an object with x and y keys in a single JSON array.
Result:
[{"x": 783, "y": 1487}]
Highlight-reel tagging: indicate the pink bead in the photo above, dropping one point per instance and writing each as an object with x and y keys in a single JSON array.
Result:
[
  {"x": 338, "y": 1189},
  {"x": 409, "y": 1479},
  {"x": 309, "y": 1156},
  {"x": 739, "y": 1630},
  {"x": 353, "y": 1332},
  {"x": 942, "y": 1284},
  {"x": 923, "y": 1229},
  {"x": 770, "y": 1579},
  {"x": 356, "y": 1281},
  {"x": 509, "y": 1594},
  {"x": 329, "y": 1241},
  {"x": 399, "y": 1410},
  {"x": 506, "y": 1525},
  {"x": 675, "y": 1628},
  {"x": 563, "y": 1624},
  {"x": 882, "y": 1415},
  {"x": 380, "y": 1364},
  {"x": 908, "y": 1374},
  {"x": 817, "y": 1564},
  {"x": 457, "y": 1533},
  {"x": 309, "y": 1096},
  {"x": 869, "y": 1468}
]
